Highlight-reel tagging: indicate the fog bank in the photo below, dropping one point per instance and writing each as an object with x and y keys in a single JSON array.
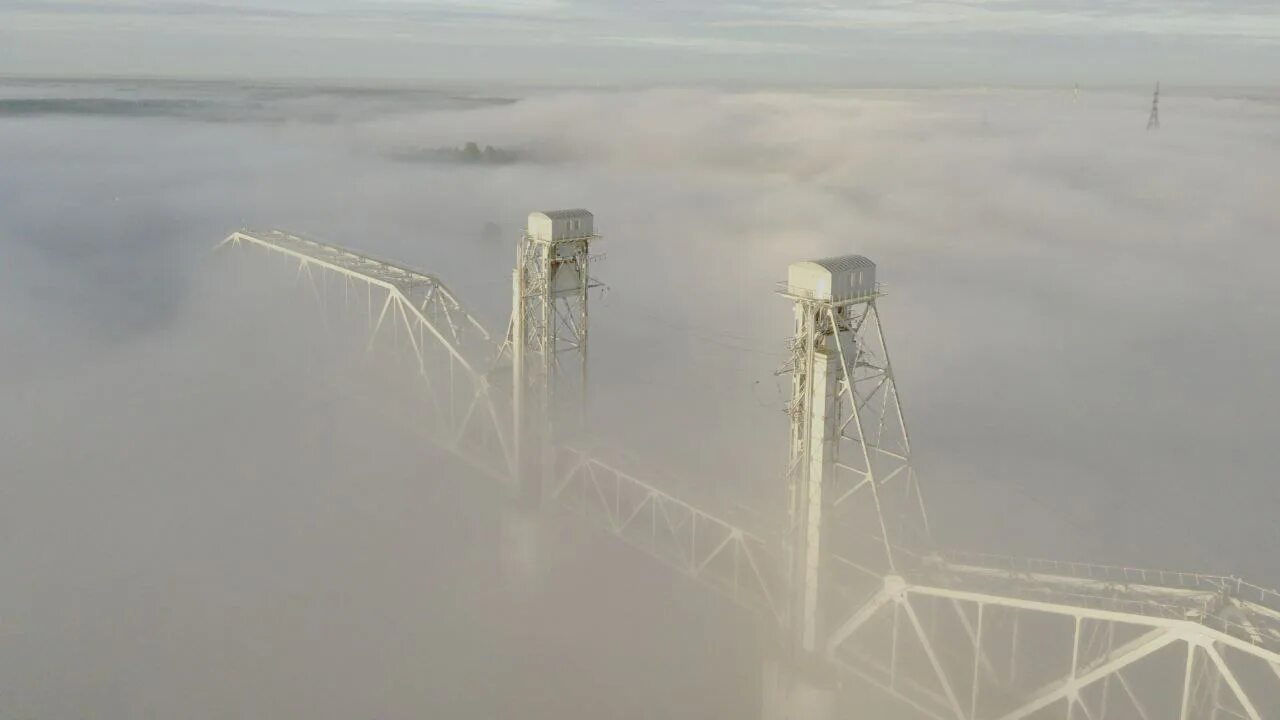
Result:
[{"x": 1081, "y": 315}]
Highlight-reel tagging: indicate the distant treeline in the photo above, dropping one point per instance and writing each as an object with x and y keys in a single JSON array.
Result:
[
  {"x": 471, "y": 154},
  {"x": 114, "y": 107}
]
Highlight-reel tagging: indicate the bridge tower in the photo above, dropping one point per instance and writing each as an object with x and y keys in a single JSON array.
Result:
[
  {"x": 547, "y": 343},
  {"x": 548, "y": 339},
  {"x": 849, "y": 477}
]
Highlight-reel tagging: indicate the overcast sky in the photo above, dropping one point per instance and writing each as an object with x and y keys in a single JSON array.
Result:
[{"x": 1044, "y": 42}]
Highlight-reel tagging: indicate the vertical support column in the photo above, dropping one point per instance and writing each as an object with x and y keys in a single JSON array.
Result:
[
  {"x": 1186, "y": 682},
  {"x": 529, "y": 377},
  {"x": 549, "y": 326},
  {"x": 520, "y": 524},
  {"x": 518, "y": 382},
  {"x": 823, "y": 422},
  {"x": 583, "y": 325},
  {"x": 1073, "y": 698},
  {"x": 796, "y": 686},
  {"x": 977, "y": 665},
  {"x": 790, "y": 694},
  {"x": 549, "y": 265},
  {"x": 548, "y": 319}
]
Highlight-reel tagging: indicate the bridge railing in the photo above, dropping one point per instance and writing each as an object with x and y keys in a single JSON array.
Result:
[
  {"x": 1120, "y": 574},
  {"x": 1227, "y": 604},
  {"x": 788, "y": 290}
]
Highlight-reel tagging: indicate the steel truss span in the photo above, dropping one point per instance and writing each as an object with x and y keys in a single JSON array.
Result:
[
  {"x": 956, "y": 653},
  {"x": 726, "y": 557},
  {"x": 448, "y": 346},
  {"x": 855, "y": 582},
  {"x": 466, "y": 375}
]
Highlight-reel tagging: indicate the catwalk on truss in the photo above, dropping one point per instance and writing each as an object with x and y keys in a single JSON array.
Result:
[{"x": 855, "y": 591}]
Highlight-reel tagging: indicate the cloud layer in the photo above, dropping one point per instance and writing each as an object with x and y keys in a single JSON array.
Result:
[
  {"x": 1081, "y": 316},
  {"x": 570, "y": 41}
]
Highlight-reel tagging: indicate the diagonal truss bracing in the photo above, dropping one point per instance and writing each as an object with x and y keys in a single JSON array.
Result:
[
  {"x": 460, "y": 364},
  {"x": 1021, "y": 657},
  {"x": 447, "y": 344},
  {"x": 713, "y": 551}
]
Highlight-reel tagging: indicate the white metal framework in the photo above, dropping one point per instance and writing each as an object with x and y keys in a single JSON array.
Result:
[
  {"x": 449, "y": 347},
  {"x": 968, "y": 636},
  {"x": 849, "y": 477},
  {"x": 719, "y": 553},
  {"x": 952, "y": 652},
  {"x": 856, "y": 582},
  {"x": 547, "y": 339}
]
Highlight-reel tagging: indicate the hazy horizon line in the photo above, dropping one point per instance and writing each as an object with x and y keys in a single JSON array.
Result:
[{"x": 425, "y": 83}]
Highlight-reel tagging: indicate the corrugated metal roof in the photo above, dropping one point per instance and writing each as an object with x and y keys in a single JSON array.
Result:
[
  {"x": 562, "y": 214},
  {"x": 845, "y": 263}
]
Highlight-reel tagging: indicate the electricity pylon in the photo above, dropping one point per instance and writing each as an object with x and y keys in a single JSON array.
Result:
[{"x": 1153, "y": 121}]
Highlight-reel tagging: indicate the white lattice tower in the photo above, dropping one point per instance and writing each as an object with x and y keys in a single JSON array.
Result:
[
  {"x": 548, "y": 338},
  {"x": 853, "y": 499}
]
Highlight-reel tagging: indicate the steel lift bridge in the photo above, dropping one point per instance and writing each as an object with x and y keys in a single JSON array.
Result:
[{"x": 853, "y": 587}]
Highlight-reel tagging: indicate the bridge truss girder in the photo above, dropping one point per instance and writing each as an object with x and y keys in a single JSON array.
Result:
[
  {"x": 952, "y": 636},
  {"x": 460, "y": 365},
  {"x": 421, "y": 320},
  {"x": 961, "y": 655},
  {"x": 736, "y": 562}
]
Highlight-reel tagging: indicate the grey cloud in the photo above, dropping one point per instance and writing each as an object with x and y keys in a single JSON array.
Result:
[
  {"x": 162, "y": 9},
  {"x": 881, "y": 42}
]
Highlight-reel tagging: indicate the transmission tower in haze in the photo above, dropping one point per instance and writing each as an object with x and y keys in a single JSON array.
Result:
[{"x": 1153, "y": 122}]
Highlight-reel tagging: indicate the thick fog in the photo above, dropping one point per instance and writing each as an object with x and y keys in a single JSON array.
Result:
[{"x": 195, "y": 523}]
